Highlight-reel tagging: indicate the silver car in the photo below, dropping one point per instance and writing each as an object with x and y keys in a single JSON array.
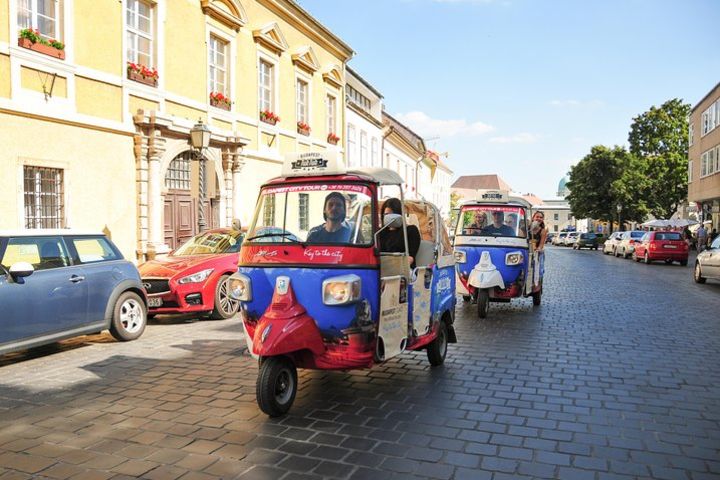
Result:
[
  {"x": 627, "y": 243},
  {"x": 707, "y": 264},
  {"x": 570, "y": 239},
  {"x": 611, "y": 243}
]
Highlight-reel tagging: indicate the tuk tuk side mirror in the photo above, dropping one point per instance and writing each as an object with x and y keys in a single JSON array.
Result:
[
  {"x": 390, "y": 220},
  {"x": 21, "y": 269}
]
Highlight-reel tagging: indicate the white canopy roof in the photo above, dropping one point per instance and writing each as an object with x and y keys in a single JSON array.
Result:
[
  {"x": 383, "y": 176},
  {"x": 44, "y": 232}
]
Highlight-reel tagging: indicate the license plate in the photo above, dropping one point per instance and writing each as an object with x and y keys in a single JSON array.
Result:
[
  {"x": 670, "y": 246},
  {"x": 154, "y": 302}
]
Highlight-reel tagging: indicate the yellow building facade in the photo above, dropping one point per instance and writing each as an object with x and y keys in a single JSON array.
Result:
[{"x": 97, "y": 100}]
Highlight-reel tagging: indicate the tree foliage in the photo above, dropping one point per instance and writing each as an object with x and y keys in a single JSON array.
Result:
[
  {"x": 605, "y": 179},
  {"x": 659, "y": 137}
]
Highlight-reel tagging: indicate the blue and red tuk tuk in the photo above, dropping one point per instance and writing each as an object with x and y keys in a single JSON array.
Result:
[{"x": 316, "y": 289}]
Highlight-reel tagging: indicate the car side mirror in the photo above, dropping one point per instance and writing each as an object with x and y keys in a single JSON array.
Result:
[
  {"x": 392, "y": 220},
  {"x": 21, "y": 269}
]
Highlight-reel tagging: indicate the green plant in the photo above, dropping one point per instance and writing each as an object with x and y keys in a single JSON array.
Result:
[{"x": 35, "y": 37}]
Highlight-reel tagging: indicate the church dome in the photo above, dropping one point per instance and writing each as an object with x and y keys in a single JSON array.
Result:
[{"x": 562, "y": 187}]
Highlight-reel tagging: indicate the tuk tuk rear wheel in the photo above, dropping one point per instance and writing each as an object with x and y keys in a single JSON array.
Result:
[
  {"x": 437, "y": 350},
  {"x": 483, "y": 302},
  {"x": 466, "y": 298},
  {"x": 276, "y": 385}
]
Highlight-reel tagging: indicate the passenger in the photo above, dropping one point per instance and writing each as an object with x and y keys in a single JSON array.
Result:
[
  {"x": 392, "y": 239},
  {"x": 511, "y": 220},
  {"x": 334, "y": 230},
  {"x": 538, "y": 232},
  {"x": 479, "y": 222},
  {"x": 498, "y": 228}
]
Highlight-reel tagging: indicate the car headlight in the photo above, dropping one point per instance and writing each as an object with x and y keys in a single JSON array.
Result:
[
  {"x": 460, "y": 256},
  {"x": 513, "y": 258},
  {"x": 239, "y": 287},
  {"x": 341, "y": 290},
  {"x": 198, "y": 277}
]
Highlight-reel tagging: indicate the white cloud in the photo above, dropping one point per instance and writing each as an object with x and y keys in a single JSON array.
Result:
[
  {"x": 577, "y": 103},
  {"x": 517, "y": 138},
  {"x": 425, "y": 126}
]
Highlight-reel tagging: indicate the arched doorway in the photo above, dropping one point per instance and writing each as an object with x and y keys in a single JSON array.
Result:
[{"x": 182, "y": 199}]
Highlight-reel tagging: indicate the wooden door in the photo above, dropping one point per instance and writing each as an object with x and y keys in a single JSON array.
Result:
[{"x": 180, "y": 218}]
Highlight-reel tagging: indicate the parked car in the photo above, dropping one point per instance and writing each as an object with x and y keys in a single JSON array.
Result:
[
  {"x": 570, "y": 239},
  {"x": 56, "y": 284},
  {"x": 627, "y": 243},
  {"x": 707, "y": 264},
  {"x": 612, "y": 242},
  {"x": 193, "y": 278},
  {"x": 586, "y": 240},
  {"x": 559, "y": 239},
  {"x": 550, "y": 237},
  {"x": 667, "y": 246}
]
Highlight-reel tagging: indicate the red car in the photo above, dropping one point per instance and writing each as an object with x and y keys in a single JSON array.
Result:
[
  {"x": 668, "y": 246},
  {"x": 193, "y": 278}
]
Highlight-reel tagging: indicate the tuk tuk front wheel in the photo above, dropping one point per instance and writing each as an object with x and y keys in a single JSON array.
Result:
[
  {"x": 537, "y": 296},
  {"x": 437, "y": 350},
  {"x": 483, "y": 302},
  {"x": 276, "y": 385}
]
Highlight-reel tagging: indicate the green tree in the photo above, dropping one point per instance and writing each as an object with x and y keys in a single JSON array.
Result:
[
  {"x": 660, "y": 138},
  {"x": 607, "y": 184}
]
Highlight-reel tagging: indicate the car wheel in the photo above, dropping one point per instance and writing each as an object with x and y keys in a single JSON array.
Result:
[
  {"x": 697, "y": 275},
  {"x": 437, "y": 350},
  {"x": 276, "y": 385},
  {"x": 646, "y": 259},
  {"x": 225, "y": 307},
  {"x": 483, "y": 302},
  {"x": 616, "y": 253},
  {"x": 668, "y": 261},
  {"x": 537, "y": 297},
  {"x": 129, "y": 317},
  {"x": 635, "y": 257}
]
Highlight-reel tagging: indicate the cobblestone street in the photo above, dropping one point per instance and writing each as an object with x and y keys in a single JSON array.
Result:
[{"x": 616, "y": 375}]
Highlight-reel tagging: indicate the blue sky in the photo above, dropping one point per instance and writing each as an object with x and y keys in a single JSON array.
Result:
[{"x": 524, "y": 88}]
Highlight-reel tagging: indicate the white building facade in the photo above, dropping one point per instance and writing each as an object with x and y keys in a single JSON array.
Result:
[{"x": 364, "y": 128}]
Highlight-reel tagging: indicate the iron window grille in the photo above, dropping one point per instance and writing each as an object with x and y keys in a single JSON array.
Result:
[
  {"x": 178, "y": 173},
  {"x": 44, "y": 206}
]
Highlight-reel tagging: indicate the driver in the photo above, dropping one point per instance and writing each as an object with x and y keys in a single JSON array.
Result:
[
  {"x": 498, "y": 228},
  {"x": 334, "y": 230}
]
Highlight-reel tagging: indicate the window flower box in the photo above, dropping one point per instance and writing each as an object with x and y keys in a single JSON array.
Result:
[
  {"x": 142, "y": 74},
  {"x": 333, "y": 139},
  {"x": 303, "y": 128},
  {"x": 269, "y": 117},
  {"x": 218, "y": 100},
  {"x": 32, "y": 40}
]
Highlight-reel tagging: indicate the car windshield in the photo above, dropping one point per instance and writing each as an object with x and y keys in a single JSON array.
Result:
[
  {"x": 492, "y": 221},
  {"x": 209, "y": 243},
  {"x": 330, "y": 213},
  {"x": 636, "y": 234}
]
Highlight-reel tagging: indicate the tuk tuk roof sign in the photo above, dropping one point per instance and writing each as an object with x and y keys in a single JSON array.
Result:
[
  {"x": 312, "y": 164},
  {"x": 493, "y": 196}
]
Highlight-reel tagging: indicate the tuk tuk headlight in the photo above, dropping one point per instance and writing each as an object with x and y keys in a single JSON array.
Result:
[
  {"x": 341, "y": 290},
  {"x": 460, "y": 256},
  {"x": 239, "y": 287},
  {"x": 514, "y": 258}
]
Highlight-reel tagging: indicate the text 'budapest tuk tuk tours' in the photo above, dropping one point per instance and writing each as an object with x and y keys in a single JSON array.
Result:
[
  {"x": 495, "y": 258},
  {"x": 316, "y": 289}
]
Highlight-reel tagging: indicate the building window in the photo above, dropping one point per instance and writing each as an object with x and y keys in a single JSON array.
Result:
[
  {"x": 218, "y": 65},
  {"x": 374, "y": 152},
  {"x": 302, "y": 101},
  {"x": 569, "y": 216},
  {"x": 43, "y": 194},
  {"x": 41, "y": 15},
  {"x": 690, "y": 171},
  {"x": 269, "y": 210},
  {"x": 267, "y": 86},
  {"x": 555, "y": 228},
  {"x": 304, "y": 211},
  {"x": 351, "y": 144},
  {"x": 691, "y": 134},
  {"x": 177, "y": 176},
  {"x": 363, "y": 148},
  {"x": 139, "y": 18},
  {"x": 358, "y": 98},
  {"x": 331, "y": 113},
  {"x": 557, "y": 217}
]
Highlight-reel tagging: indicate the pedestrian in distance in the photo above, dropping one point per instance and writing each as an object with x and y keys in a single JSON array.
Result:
[{"x": 701, "y": 238}]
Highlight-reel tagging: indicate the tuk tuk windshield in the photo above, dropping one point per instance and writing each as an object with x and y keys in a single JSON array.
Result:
[
  {"x": 492, "y": 221},
  {"x": 313, "y": 214}
]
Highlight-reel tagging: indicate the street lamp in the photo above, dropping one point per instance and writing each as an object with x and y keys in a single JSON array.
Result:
[
  {"x": 619, "y": 210},
  {"x": 199, "y": 140}
]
